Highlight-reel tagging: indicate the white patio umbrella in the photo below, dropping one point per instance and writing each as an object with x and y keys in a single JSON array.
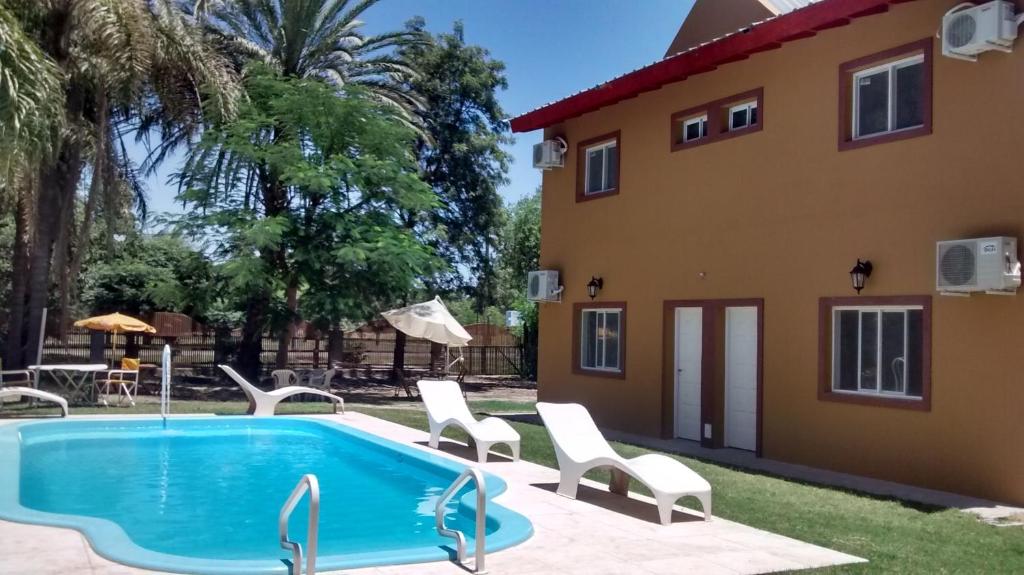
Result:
[
  {"x": 429, "y": 320},
  {"x": 432, "y": 321}
]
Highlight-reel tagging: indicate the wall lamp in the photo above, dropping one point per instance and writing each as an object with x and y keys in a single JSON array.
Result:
[
  {"x": 594, "y": 285},
  {"x": 860, "y": 273}
]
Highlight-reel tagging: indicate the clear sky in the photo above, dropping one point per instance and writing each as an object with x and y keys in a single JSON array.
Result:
[{"x": 551, "y": 49}]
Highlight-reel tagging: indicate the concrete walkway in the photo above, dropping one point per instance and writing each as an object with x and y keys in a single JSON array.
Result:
[
  {"x": 597, "y": 533},
  {"x": 990, "y": 511}
]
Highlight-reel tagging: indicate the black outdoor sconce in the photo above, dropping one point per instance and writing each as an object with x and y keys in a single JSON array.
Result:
[
  {"x": 859, "y": 273},
  {"x": 594, "y": 286}
]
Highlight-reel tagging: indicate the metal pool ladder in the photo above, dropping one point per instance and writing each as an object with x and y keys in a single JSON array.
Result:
[
  {"x": 481, "y": 518},
  {"x": 307, "y": 483}
]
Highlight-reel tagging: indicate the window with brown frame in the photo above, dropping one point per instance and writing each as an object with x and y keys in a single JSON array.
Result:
[
  {"x": 886, "y": 96},
  {"x": 720, "y": 119},
  {"x": 876, "y": 351},
  {"x": 597, "y": 167},
  {"x": 599, "y": 339}
]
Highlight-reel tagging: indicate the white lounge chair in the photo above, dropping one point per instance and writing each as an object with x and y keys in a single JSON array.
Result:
[
  {"x": 264, "y": 402},
  {"x": 580, "y": 447},
  {"x": 446, "y": 406},
  {"x": 23, "y": 376}
]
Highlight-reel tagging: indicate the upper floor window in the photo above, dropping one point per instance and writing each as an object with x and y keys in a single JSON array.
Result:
[
  {"x": 695, "y": 128},
  {"x": 598, "y": 167},
  {"x": 886, "y": 96},
  {"x": 743, "y": 115},
  {"x": 719, "y": 119},
  {"x": 889, "y": 97}
]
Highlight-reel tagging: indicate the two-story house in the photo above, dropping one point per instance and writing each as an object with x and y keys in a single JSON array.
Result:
[{"x": 724, "y": 194}]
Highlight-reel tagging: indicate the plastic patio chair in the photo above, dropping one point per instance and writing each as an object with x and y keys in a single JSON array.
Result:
[
  {"x": 28, "y": 389},
  {"x": 125, "y": 380},
  {"x": 264, "y": 402}
]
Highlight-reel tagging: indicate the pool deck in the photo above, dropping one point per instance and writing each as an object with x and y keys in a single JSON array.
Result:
[{"x": 595, "y": 534}]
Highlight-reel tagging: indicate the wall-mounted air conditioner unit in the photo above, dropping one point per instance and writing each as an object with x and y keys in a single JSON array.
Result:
[
  {"x": 987, "y": 265},
  {"x": 969, "y": 29},
  {"x": 543, "y": 286},
  {"x": 550, "y": 154}
]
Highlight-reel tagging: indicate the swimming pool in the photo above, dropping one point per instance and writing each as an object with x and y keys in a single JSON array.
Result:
[{"x": 202, "y": 495}]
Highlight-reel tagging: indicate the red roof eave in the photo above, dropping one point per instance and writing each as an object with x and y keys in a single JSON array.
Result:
[{"x": 767, "y": 35}]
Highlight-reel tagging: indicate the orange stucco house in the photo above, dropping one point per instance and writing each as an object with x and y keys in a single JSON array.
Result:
[{"x": 723, "y": 195}]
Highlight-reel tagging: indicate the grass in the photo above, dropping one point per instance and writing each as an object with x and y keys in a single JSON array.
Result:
[{"x": 895, "y": 536}]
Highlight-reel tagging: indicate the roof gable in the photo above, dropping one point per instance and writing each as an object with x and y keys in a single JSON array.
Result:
[{"x": 740, "y": 45}]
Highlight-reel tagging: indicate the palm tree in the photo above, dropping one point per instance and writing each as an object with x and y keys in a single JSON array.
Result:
[
  {"x": 318, "y": 38},
  {"x": 121, "y": 66},
  {"x": 308, "y": 39}
]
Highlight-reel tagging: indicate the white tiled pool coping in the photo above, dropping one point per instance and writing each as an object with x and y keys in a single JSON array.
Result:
[{"x": 595, "y": 534}]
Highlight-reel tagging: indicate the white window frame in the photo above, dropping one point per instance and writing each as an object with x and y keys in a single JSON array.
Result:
[
  {"x": 703, "y": 121},
  {"x": 745, "y": 107},
  {"x": 889, "y": 68},
  {"x": 601, "y": 347},
  {"x": 604, "y": 147},
  {"x": 877, "y": 391}
]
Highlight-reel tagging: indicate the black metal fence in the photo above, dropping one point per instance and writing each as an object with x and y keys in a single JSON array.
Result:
[{"x": 201, "y": 352}]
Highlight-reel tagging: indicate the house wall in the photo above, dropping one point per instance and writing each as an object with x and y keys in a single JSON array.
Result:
[{"x": 783, "y": 215}]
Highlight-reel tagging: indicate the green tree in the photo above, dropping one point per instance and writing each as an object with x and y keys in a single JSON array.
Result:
[
  {"x": 150, "y": 273},
  {"x": 520, "y": 254},
  {"x": 119, "y": 64},
  {"x": 462, "y": 158},
  {"x": 299, "y": 195},
  {"x": 317, "y": 39}
]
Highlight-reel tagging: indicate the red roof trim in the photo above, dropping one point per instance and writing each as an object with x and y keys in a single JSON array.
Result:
[{"x": 767, "y": 35}]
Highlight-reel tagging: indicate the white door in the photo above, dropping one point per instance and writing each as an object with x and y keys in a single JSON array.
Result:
[
  {"x": 741, "y": 377},
  {"x": 689, "y": 350}
]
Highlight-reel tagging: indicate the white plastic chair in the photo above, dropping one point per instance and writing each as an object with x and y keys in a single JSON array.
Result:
[
  {"x": 284, "y": 378},
  {"x": 323, "y": 380},
  {"x": 24, "y": 376},
  {"x": 580, "y": 447},
  {"x": 446, "y": 406},
  {"x": 264, "y": 402}
]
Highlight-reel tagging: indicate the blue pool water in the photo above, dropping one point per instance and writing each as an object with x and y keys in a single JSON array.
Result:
[{"x": 202, "y": 496}]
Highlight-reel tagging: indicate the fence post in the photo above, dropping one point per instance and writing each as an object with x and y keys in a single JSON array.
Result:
[{"x": 97, "y": 343}]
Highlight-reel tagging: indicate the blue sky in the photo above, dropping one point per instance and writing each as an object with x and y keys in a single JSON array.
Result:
[{"x": 551, "y": 48}]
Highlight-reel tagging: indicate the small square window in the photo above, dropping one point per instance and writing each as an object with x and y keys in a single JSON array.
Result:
[
  {"x": 743, "y": 115},
  {"x": 877, "y": 351},
  {"x": 695, "y": 128}
]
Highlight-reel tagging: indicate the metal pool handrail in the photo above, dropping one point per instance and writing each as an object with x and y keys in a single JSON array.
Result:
[
  {"x": 481, "y": 518},
  {"x": 307, "y": 483}
]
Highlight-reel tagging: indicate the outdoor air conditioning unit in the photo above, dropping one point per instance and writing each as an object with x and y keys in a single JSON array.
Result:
[
  {"x": 543, "y": 286},
  {"x": 986, "y": 265},
  {"x": 550, "y": 154},
  {"x": 969, "y": 29}
]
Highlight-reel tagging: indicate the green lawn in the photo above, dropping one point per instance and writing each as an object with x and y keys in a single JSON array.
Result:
[{"x": 897, "y": 537}]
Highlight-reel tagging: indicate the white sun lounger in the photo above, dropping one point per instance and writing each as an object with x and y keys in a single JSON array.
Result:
[
  {"x": 446, "y": 406},
  {"x": 36, "y": 393},
  {"x": 25, "y": 376},
  {"x": 580, "y": 447},
  {"x": 264, "y": 402}
]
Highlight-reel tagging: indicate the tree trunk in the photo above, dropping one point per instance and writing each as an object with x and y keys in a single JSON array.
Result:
[
  {"x": 284, "y": 339},
  {"x": 13, "y": 358},
  {"x": 335, "y": 346},
  {"x": 62, "y": 245},
  {"x": 251, "y": 346},
  {"x": 69, "y": 291},
  {"x": 398, "y": 362},
  {"x": 57, "y": 184}
]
